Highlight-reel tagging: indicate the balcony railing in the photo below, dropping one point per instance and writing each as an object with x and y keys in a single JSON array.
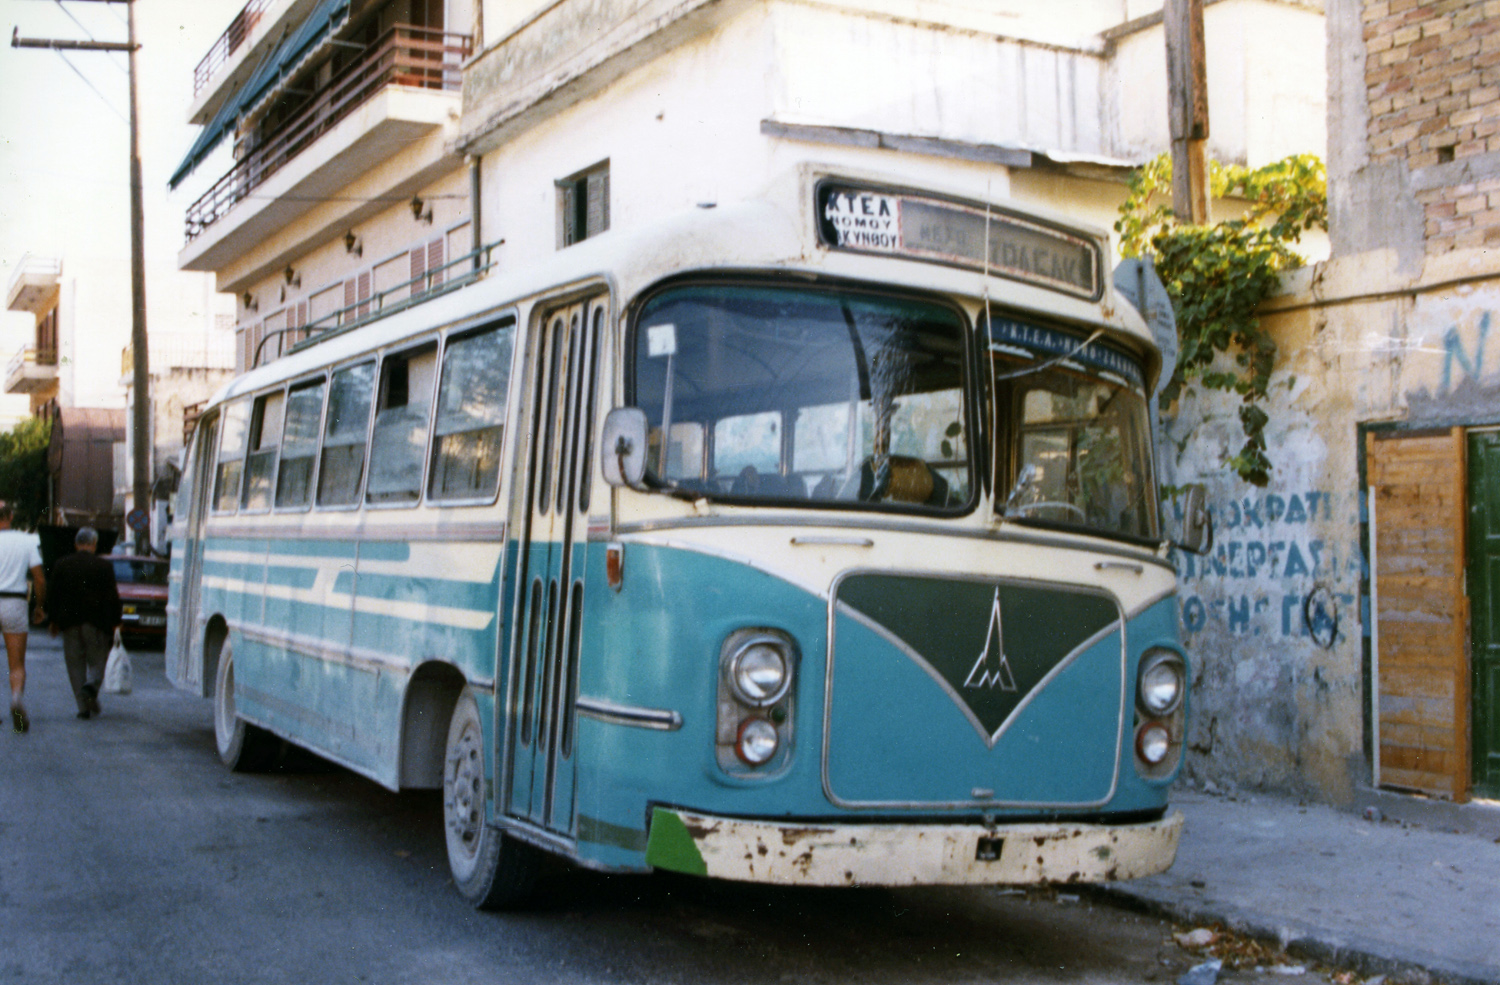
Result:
[
  {"x": 239, "y": 29},
  {"x": 461, "y": 271},
  {"x": 21, "y": 375},
  {"x": 403, "y": 56}
]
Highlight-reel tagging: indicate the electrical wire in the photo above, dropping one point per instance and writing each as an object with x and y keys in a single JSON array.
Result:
[{"x": 91, "y": 85}]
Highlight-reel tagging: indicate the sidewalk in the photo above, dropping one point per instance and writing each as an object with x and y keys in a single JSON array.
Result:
[{"x": 1410, "y": 901}]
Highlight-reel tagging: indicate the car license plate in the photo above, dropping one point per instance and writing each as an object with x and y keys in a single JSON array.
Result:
[{"x": 153, "y": 620}]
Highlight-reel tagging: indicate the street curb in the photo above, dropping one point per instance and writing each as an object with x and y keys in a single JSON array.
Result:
[{"x": 1361, "y": 955}]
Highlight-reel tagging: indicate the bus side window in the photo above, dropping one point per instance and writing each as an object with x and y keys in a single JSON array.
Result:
[
  {"x": 343, "y": 460},
  {"x": 470, "y": 426},
  {"x": 299, "y": 446},
  {"x": 231, "y": 469},
  {"x": 265, "y": 440},
  {"x": 400, "y": 439}
]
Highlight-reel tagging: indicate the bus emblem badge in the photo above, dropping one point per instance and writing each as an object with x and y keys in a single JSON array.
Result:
[{"x": 988, "y": 672}]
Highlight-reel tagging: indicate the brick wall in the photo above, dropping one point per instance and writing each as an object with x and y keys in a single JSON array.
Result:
[{"x": 1432, "y": 76}]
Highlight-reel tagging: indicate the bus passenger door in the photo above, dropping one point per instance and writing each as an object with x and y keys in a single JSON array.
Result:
[
  {"x": 552, "y": 533},
  {"x": 185, "y": 662}
]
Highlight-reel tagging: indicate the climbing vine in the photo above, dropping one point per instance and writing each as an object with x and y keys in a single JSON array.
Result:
[{"x": 1219, "y": 274}]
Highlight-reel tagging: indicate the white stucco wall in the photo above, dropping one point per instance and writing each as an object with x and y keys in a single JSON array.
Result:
[
  {"x": 1277, "y": 617},
  {"x": 1266, "y": 84},
  {"x": 682, "y": 131}
]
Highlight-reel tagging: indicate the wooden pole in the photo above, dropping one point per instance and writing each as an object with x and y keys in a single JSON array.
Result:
[
  {"x": 140, "y": 357},
  {"x": 140, "y": 418},
  {"x": 1187, "y": 107}
]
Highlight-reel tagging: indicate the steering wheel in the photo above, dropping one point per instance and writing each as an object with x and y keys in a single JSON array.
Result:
[{"x": 1025, "y": 509}]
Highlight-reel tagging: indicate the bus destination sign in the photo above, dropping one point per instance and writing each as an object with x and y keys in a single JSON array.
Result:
[{"x": 867, "y": 220}]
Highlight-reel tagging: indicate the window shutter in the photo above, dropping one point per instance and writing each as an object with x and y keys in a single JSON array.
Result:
[
  {"x": 570, "y": 230},
  {"x": 418, "y": 268},
  {"x": 435, "y": 262},
  {"x": 598, "y": 203}
]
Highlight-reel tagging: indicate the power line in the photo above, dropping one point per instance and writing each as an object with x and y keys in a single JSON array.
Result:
[{"x": 85, "y": 78}]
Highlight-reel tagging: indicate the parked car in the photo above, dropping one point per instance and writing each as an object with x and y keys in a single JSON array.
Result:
[{"x": 143, "y": 598}]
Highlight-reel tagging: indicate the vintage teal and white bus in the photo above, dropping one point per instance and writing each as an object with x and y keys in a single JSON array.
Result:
[{"x": 811, "y": 540}]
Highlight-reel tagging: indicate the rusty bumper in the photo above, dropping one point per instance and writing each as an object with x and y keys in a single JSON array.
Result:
[{"x": 909, "y": 854}]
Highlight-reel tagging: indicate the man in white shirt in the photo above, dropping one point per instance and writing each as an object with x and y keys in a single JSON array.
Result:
[{"x": 19, "y": 557}]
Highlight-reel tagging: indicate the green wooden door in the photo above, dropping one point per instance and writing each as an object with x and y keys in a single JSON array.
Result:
[{"x": 1484, "y": 597}]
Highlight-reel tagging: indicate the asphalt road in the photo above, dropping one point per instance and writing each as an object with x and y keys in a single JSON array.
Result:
[{"x": 128, "y": 854}]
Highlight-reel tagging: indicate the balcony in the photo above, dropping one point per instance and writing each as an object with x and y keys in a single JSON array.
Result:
[
  {"x": 33, "y": 285},
  {"x": 405, "y": 56},
  {"x": 255, "y": 32},
  {"x": 31, "y": 370},
  {"x": 229, "y": 42}
]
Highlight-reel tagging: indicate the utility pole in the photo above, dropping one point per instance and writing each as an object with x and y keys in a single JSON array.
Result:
[
  {"x": 1187, "y": 107},
  {"x": 140, "y": 418}
]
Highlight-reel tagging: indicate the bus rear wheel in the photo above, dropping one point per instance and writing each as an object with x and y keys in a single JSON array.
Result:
[
  {"x": 490, "y": 869},
  {"x": 243, "y": 747}
]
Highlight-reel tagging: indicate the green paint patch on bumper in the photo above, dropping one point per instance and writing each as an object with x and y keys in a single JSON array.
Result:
[
  {"x": 672, "y": 846},
  {"x": 909, "y": 854}
]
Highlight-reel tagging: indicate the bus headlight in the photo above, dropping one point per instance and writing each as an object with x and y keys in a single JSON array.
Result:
[
  {"x": 757, "y": 742},
  {"x": 756, "y": 701},
  {"x": 1152, "y": 743},
  {"x": 1159, "y": 685},
  {"x": 758, "y": 672}
]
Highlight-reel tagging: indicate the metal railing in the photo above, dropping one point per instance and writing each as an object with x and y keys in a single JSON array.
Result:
[
  {"x": 459, "y": 272},
  {"x": 31, "y": 265},
  {"x": 229, "y": 42},
  {"x": 28, "y": 356},
  {"x": 184, "y": 350},
  {"x": 404, "y": 56}
]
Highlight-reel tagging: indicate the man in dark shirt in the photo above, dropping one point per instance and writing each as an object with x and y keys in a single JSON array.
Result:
[{"x": 84, "y": 604}]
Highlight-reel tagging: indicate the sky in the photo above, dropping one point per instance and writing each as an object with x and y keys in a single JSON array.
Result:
[{"x": 65, "y": 144}]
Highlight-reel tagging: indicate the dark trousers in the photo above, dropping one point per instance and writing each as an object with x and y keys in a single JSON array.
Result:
[{"x": 85, "y": 651}]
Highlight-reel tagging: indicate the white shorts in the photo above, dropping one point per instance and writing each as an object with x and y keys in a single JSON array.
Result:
[{"x": 14, "y": 617}]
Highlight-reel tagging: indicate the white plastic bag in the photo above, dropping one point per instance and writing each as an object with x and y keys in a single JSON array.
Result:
[{"x": 117, "y": 669}]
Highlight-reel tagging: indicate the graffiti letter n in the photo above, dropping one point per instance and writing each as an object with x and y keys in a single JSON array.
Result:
[{"x": 1453, "y": 348}]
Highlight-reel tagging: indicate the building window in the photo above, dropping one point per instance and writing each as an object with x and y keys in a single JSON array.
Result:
[{"x": 583, "y": 205}]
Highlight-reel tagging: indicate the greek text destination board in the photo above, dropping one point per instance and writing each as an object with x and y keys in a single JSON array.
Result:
[{"x": 867, "y": 220}]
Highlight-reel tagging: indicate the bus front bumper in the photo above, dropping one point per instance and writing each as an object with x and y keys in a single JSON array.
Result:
[{"x": 909, "y": 854}]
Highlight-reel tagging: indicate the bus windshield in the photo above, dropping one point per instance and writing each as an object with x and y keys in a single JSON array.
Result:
[
  {"x": 1072, "y": 431},
  {"x": 809, "y": 395}
]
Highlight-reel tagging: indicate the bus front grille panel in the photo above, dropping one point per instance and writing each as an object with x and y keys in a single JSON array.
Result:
[{"x": 952, "y": 692}]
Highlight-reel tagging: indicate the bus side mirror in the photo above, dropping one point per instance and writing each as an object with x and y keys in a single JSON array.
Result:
[
  {"x": 623, "y": 450},
  {"x": 1197, "y": 534}
]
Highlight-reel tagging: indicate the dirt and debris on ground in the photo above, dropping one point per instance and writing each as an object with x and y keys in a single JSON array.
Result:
[{"x": 1221, "y": 955}]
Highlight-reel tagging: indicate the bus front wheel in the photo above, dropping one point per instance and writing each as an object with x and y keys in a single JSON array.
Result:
[
  {"x": 491, "y": 870},
  {"x": 243, "y": 747}
]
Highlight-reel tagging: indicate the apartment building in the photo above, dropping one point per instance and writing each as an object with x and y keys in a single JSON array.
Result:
[{"x": 346, "y": 196}]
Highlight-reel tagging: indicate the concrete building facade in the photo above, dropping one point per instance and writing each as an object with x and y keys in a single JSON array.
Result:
[
  {"x": 683, "y": 103},
  {"x": 1345, "y": 624}
]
